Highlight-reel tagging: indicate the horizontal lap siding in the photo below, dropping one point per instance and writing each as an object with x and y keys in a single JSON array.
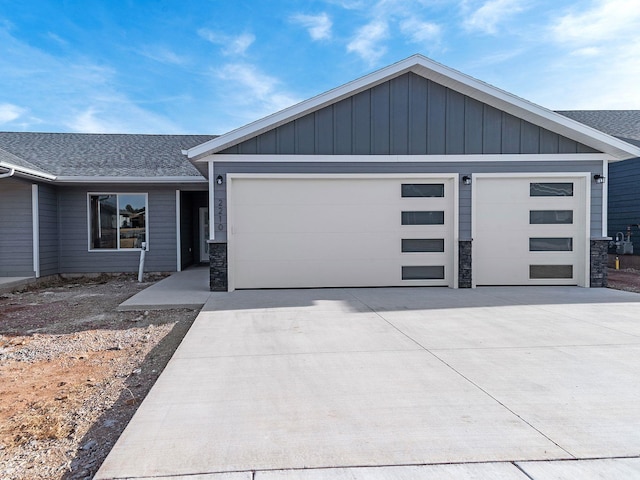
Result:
[
  {"x": 462, "y": 168},
  {"x": 74, "y": 236},
  {"x": 48, "y": 209},
  {"x": 408, "y": 115},
  {"x": 16, "y": 229},
  {"x": 624, "y": 199}
]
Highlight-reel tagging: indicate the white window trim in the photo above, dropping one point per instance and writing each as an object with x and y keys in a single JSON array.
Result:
[{"x": 94, "y": 250}]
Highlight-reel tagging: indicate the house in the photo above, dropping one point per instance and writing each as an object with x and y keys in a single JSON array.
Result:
[
  {"x": 413, "y": 175},
  {"x": 624, "y": 177},
  {"x": 84, "y": 203}
]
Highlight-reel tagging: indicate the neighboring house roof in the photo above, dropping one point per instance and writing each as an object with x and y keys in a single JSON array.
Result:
[
  {"x": 82, "y": 156},
  {"x": 442, "y": 75},
  {"x": 624, "y": 124}
]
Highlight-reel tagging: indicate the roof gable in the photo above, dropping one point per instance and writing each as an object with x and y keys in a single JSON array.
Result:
[{"x": 438, "y": 74}]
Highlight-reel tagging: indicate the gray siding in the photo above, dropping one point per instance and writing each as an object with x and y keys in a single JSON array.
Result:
[
  {"x": 48, "y": 210},
  {"x": 75, "y": 256},
  {"x": 463, "y": 168},
  {"x": 624, "y": 199},
  {"x": 16, "y": 229},
  {"x": 408, "y": 115}
]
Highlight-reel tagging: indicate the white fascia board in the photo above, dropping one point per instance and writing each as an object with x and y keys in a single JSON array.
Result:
[
  {"x": 28, "y": 172},
  {"x": 562, "y": 157},
  {"x": 137, "y": 180},
  {"x": 447, "y": 77}
]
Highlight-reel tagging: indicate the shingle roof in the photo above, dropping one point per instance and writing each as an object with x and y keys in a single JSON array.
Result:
[
  {"x": 624, "y": 124},
  {"x": 101, "y": 155}
]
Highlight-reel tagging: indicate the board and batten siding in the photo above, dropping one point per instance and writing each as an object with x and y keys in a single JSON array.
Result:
[
  {"x": 408, "y": 115},
  {"x": 462, "y": 168},
  {"x": 75, "y": 256},
  {"x": 624, "y": 200},
  {"x": 48, "y": 215},
  {"x": 16, "y": 228}
]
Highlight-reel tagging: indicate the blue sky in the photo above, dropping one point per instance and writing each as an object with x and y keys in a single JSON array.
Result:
[{"x": 208, "y": 66}]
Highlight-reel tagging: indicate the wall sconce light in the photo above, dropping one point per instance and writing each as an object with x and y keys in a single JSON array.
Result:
[
  {"x": 599, "y": 178},
  {"x": 466, "y": 180},
  {"x": 219, "y": 179}
]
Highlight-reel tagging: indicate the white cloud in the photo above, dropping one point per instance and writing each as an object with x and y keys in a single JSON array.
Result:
[
  {"x": 231, "y": 45},
  {"x": 420, "y": 32},
  {"x": 253, "y": 93},
  {"x": 163, "y": 55},
  {"x": 10, "y": 112},
  {"x": 367, "y": 41},
  {"x": 607, "y": 20},
  {"x": 318, "y": 26},
  {"x": 491, "y": 14}
]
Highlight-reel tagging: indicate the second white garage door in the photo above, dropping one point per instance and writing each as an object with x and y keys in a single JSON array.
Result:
[
  {"x": 292, "y": 231},
  {"x": 531, "y": 230}
]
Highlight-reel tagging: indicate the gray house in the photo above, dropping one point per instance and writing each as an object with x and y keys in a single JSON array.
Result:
[
  {"x": 413, "y": 175},
  {"x": 624, "y": 177},
  {"x": 84, "y": 203}
]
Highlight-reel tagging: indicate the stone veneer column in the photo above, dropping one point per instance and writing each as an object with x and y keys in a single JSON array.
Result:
[
  {"x": 218, "y": 279},
  {"x": 464, "y": 264},
  {"x": 599, "y": 249}
]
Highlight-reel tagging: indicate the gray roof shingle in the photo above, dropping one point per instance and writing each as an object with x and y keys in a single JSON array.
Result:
[
  {"x": 100, "y": 155},
  {"x": 624, "y": 124}
]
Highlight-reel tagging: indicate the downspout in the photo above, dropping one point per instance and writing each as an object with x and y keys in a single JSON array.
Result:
[{"x": 10, "y": 173}]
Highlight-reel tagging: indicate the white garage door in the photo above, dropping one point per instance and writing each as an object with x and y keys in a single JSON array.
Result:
[
  {"x": 340, "y": 231},
  {"x": 530, "y": 231}
]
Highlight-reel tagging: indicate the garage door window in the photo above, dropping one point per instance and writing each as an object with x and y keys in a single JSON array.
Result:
[
  {"x": 545, "y": 217},
  {"x": 550, "y": 271},
  {"x": 551, "y": 189},
  {"x": 555, "y": 244},
  {"x": 423, "y": 272},
  {"x": 423, "y": 218},
  {"x": 422, "y": 190},
  {"x": 422, "y": 245}
]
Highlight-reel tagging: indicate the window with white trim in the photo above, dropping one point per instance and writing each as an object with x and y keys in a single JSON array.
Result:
[{"x": 117, "y": 221}]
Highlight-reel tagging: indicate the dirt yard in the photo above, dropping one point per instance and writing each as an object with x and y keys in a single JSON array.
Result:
[{"x": 73, "y": 371}]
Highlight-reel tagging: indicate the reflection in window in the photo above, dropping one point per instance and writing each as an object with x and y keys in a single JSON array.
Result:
[
  {"x": 551, "y": 189},
  {"x": 423, "y": 190},
  {"x": 118, "y": 221},
  {"x": 551, "y": 244},
  {"x": 423, "y": 218},
  {"x": 542, "y": 217},
  {"x": 550, "y": 271}
]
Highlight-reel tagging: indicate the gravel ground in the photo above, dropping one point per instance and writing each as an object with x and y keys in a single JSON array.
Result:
[{"x": 73, "y": 371}]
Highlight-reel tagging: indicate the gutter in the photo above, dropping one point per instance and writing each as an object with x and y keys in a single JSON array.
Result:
[{"x": 10, "y": 173}]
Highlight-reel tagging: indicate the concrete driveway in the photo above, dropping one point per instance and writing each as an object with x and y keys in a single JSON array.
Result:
[{"x": 396, "y": 383}]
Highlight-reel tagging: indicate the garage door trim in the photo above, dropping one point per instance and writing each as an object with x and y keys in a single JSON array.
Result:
[{"x": 231, "y": 177}]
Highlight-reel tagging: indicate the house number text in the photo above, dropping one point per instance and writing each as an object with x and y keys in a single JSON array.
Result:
[{"x": 219, "y": 210}]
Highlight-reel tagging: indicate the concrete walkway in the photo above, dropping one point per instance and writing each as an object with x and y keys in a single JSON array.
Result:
[
  {"x": 186, "y": 289},
  {"x": 492, "y": 383}
]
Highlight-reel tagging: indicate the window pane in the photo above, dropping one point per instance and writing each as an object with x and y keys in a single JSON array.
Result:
[
  {"x": 132, "y": 220},
  {"x": 423, "y": 189},
  {"x": 422, "y": 218},
  {"x": 538, "y": 217},
  {"x": 550, "y": 189},
  {"x": 427, "y": 272},
  {"x": 104, "y": 221},
  {"x": 551, "y": 244},
  {"x": 550, "y": 271},
  {"x": 423, "y": 245}
]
